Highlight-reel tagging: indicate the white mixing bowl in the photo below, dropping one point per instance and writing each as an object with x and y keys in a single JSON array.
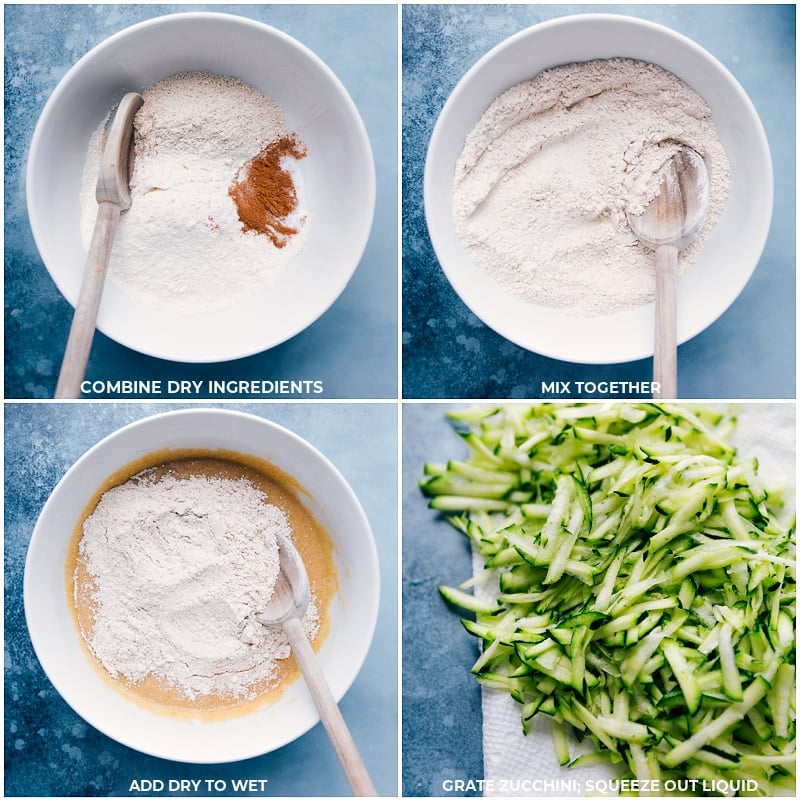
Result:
[
  {"x": 338, "y": 176},
  {"x": 729, "y": 255},
  {"x": 57, "y": 641}
]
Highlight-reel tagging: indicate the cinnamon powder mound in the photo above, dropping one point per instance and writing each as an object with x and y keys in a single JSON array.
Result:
[{"x": 264, "y": 192}]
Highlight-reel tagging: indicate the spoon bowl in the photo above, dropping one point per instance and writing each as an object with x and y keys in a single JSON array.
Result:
[
  {"x": 667, "y": 223},
  {"x": 677, "y": 212},
  {"x": 291, "y": 592}
]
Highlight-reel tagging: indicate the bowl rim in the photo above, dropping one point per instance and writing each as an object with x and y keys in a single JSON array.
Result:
[
  {"x": 256, "y": 344},
  {"x": 54, "y": 671},
  {"x": 548, "y": 346}
]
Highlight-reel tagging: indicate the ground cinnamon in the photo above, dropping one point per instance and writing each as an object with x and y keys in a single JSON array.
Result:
[{"x": 264, "y": 192}]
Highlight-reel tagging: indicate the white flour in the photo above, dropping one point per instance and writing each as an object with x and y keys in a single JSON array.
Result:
[
  {"x": 545, "y": 177},
  {"x": 180, "y": 247},
  {"x": 180, "y": 567}
]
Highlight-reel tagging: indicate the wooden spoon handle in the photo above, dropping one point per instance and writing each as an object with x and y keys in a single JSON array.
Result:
[
  {"x": 665, "y": 359},
  {"x": 329, "y": 712},
  {"x": 81, "y": 332}
]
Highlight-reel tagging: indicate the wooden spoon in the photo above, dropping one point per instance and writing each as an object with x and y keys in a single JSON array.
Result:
[
  {"x": 671, "y": 219},
  {"x": 286, "y": 606},
  {"x": 113, "y": 197}
]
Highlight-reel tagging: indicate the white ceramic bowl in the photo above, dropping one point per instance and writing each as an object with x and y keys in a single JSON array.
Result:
[
  {"x": 56, "y": 639},
  {"x": 729, "y": 255},
  {"x": 338, "y": 175}
]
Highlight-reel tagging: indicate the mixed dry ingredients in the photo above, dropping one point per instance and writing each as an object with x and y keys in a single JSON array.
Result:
[
  {"x": 171, "y": 567},
  {"x": 546, "y": 176},
  {"x": 217, "y": 199}
]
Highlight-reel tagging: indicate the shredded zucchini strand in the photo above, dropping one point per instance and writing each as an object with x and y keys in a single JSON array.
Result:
[{"x": 645, "y": 584}]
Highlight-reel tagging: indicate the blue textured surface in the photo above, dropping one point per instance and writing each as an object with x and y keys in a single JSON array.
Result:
[
  {"x": 441, "y": 698},
  {"x": 50, "y": 751},
  {"x": 447, "y": 352},
  {"x": 352, "y": 348}
]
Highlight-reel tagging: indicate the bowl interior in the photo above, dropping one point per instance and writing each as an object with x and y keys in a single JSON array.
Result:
[
  {"x": 316, "y": 105},
  {"x": 57, "y": 642},
  {"x": 731, "y": 252}
]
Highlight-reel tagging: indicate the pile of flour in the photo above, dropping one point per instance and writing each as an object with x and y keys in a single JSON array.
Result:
[
  {"x": 180, "y": 568},
  {"x": 545, "y": 178},
  {"x": 180, "y": 247}
]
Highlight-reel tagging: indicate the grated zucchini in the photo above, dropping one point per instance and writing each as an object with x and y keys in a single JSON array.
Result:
[{"x": 645, "y": 585}]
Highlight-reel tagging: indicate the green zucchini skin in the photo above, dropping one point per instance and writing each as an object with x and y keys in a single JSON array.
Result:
[{"x": 639, "y": 588}]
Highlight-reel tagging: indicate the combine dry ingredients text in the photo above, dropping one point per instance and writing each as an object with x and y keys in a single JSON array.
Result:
[
  {"x": 246, "y": 388},
  {"x": 217, "y": 202},
  {"x": 545, "y": 179}
]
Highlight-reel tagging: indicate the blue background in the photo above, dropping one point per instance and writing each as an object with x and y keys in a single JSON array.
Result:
[
  {"x": 447, "y": 352},
  {"x": 352, "y": 347},
  {"x": 441, "y": 699},
  {"x": 442, "y": 721},
  {"x": 51, "y": 751}
]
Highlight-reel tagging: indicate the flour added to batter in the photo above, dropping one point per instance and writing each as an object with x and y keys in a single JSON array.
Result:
[{"x": 170, "y": 568}]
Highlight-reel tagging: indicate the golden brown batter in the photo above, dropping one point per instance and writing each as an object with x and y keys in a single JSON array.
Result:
[{"x": 312, "y": 541}]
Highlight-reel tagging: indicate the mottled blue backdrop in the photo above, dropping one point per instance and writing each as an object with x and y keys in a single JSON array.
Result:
[
  {"x": 50, "y": 751},
  {"x": 352, "y": 348},
  {"x": 448, "y": 352}
]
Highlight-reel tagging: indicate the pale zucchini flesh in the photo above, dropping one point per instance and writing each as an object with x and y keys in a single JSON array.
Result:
[{"x": 644, "y": 584}]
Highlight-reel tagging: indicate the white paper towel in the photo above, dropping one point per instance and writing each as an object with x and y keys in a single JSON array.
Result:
[{"x": 526, "y": 766}]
